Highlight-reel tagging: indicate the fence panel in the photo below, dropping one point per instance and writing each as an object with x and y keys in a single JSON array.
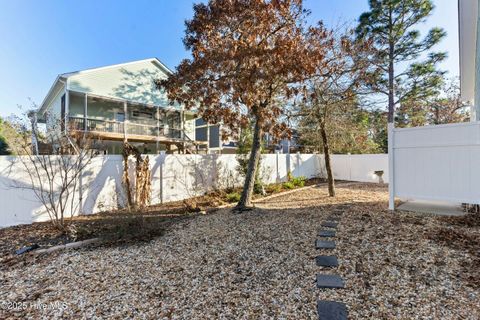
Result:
[
  {"x": 174, "y": 177},
  {"x": 437, "y": 162}
]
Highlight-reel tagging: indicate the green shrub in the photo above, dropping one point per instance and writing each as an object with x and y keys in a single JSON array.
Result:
[
  {"x": 289, "y": 176},
  {"x": 299, "y": 181},
  {"x": 233, "y": 197},
  {"x": 288, "y": 185},
  {"x": 274, "y": 188}
]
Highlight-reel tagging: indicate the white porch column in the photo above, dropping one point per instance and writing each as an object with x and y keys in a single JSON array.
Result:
[
  {"x": 125, "y": 121},
  {"x": 158, "y": 130},
  {"x": 85, "y": 112},
  {"x": 67, "y": 109},
  {"x": 391, "y": 166}
]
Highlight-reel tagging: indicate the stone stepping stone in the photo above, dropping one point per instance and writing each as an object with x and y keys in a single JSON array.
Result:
[
  {"x": 331, "y": 310},
  {"x": 334, "y": 218},
  {"x": 327, "y": 261},
  {"x": 323, "y": 244},
  {"x": 330, "y": 281},
  {"x": 329, "y": 224},
  {"x": 326, "y": 233}
]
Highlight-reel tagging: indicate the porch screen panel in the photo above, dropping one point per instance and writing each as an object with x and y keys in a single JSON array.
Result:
[
  {"x": 214, "y": 137},
  {"x": 201, "y": 134}
]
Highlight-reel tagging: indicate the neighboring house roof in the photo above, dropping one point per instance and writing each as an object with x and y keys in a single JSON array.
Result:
[
  {"x": 130, "y": 81},
  {"x": 467, "y": 26}
]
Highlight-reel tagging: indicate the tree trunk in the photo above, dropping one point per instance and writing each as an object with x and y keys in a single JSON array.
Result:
[
  {"x": 246, "y": 198},
  {"x": 391, "y": 71},
  {"x": 328, "y": 166},
  {"x": 391, "y": 90}
]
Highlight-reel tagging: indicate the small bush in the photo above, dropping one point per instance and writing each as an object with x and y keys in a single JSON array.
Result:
[
  {"x": 299, "y": 181},
  {"x": 289, "y": 176},
  {"x": 288, "y": 185},
  {"x": 274, "y": 188},
  {"x": 233, "y": 197}
]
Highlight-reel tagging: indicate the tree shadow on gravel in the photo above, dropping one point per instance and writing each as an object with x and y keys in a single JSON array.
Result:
[
  {"x": 462, "y": 234},
  {"x": 403, "y": 228},
  {"x": 124, "y": 229}
]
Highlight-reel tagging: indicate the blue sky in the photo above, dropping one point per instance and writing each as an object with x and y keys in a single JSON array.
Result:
[{"x": 41, "y": 39}]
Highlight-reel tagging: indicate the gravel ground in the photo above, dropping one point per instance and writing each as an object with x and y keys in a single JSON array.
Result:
[{"x": 260, "y": 265}]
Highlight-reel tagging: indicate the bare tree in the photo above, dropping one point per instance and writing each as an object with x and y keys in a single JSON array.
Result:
[
  {"x": 55, "y": 178},
  {"x": 444, "y": 105},
  {"x": 334, "y": 90},
  {"x": 447, "y": 106}
]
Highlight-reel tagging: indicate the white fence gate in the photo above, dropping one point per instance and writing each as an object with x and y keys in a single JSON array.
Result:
[{"x": 439, "y": 162}]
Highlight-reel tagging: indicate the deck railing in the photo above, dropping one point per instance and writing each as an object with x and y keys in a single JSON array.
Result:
[{"x": 95, "y": 125}]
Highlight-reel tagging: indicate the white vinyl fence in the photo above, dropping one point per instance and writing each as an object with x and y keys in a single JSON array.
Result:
[
  {"x": 174, "y": 177},
  {"x": 439, "y": 162}
]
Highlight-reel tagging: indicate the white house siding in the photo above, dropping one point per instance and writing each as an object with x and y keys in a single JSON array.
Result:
[{"x": 131, "y": 81}]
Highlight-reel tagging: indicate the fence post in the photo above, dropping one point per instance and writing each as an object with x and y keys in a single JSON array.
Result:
[
  {"x": 80, "y": 189},
  {"x": 162, "y": 163},
  {"x": 298, "y": 164},
  {"x": 287, "y": 158},
  {"x": 277, "y": 152},
  {"x": 349, "y": 166},
  {"x": 391, "y": 166},
  {"x": 215, "y": 171}
]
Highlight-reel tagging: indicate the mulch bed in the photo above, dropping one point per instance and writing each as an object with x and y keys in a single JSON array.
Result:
[
  {"x": 108, "y": 225},
  {"x": 261, "y": 264},
  {"x": 118, "y": 225}
]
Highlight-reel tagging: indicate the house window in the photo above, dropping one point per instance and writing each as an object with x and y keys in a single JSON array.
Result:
[
  {"x": 142, "y": 114},
  {"x": 120, "y": 117}
]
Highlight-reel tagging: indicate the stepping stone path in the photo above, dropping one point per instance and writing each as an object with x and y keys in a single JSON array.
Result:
[
  {"x": 330, "y": 281},
  {"x": 321, "y": 244},
  {"x": 326, "y": 233},
  {"x": 334, "y": 218},
  {"x": 330, "y": 310},
  {"x": 329, "y": 224},
  {"x": 327, "y": 261}
]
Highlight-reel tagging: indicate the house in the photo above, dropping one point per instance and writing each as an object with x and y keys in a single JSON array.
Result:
[
  {"x": 285, "y": 145},
  {"x": 469, "y": 34},
  {"x": 118, "y": 103}
]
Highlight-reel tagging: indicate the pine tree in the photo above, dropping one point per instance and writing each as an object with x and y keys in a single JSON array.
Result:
[{"x": 390, "y": 24}]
